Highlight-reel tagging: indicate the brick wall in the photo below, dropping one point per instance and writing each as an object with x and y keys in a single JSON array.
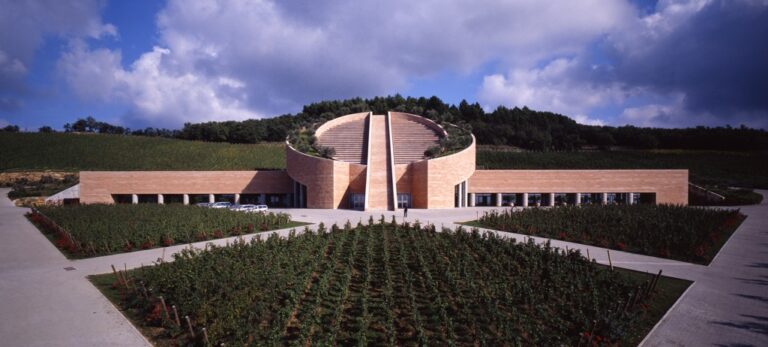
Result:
[
  {"x": 444, "y": 173},
  {"x": 670, "y": 186},
  {"x": 98, "y": 186}
]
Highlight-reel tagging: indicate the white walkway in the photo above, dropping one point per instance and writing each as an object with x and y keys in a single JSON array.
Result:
[{"x": 45, "y": 305}]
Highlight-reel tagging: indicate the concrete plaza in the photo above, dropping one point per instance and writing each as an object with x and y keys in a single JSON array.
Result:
[{"x": 46, "y": 299}]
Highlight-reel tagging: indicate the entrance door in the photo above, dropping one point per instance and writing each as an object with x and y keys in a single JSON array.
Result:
[
  {"x": 357, "y": 201},
  {"x": 403, "y": 200}
]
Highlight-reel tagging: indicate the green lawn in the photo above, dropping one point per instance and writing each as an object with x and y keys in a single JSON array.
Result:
[
  {"x": 387, "y": 284},
  {"x": 76, "y": 152}
]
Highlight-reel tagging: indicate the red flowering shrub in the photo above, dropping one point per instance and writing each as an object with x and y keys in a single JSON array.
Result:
[
  {"x": 167, "y": 241},
  {"x": 147, "y": 244},
  {"x": 201, "y": 236}
]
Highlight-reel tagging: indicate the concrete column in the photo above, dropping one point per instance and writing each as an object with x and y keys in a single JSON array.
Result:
[
  {"x": 578, "y": 199},
  {"x": 630, "y": 198},
  {"x": 471, "y": 200},
  {"x": 160, "y": 199},
  {"x": 186, "y": 199},
  {"x": 551, "y": 199},
  {"x": 237, "y": 198},
  {"x": 134, "y": 199},
  {"x": 296, "y": 195},
  {"x": 498, "y": 199},
  {"x": 466, "y": 190},
  {"x": 604, "y": 198},
  {"x": 211, "y": 198},
  {"x": 525, "y": 199}
]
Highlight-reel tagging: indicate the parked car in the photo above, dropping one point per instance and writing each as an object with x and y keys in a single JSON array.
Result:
[
  {"x": 203, "y": 204},
  {"x": 242, "y": 208},
  {"x": 260, "y": 208},
  {"x": 221, "y": 204}
]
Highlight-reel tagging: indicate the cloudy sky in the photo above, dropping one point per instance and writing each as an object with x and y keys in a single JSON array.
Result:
[{"x": 665, "y": 63}]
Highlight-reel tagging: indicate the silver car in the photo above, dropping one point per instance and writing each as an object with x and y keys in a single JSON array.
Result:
[
  {"x": 242, "y": 208},
  {"x": 221, "y": 204}
]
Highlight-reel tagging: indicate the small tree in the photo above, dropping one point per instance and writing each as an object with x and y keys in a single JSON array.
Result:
[
  {"x": 326, "y": 152},
  {"x": 10, "y": 129}
]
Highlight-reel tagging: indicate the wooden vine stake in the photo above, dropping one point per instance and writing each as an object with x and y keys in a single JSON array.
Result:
[
  {"x": 144, "y": 290},
  {"x": 119, "y": 277},
  {"x": 126, "y": 277},
  {"x": 189, "y": 325},
  {"x": 165, "y": 309},
  {"x": 656, "y": 281},
  {"x": 205, "y": 336},
  {"x": 176, "y": 316},
  {"x": 592, "y": 332},
  {"x": 610, "y": 263},
  {"x": 588, "y": 258}
]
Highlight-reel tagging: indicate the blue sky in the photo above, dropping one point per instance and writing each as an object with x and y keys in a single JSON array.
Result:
[{"x": 670, "y": 63}]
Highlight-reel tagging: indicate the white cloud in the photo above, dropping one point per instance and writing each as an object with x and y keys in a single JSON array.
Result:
[
  {"x": 584, "y": 119},
  {"x": 240, "y": 59},
  {"x": 652, "y": 115},
  {"x": 24, "y": 25},
  {"x": 674, "y": 114},
  {"x": 552, "y": 88},
  {"x": 155, "y": 92},
  {"x": 640, "y": 34},
  {"x": 91, "y": 74},
  {"x": 251, "y": 58}
]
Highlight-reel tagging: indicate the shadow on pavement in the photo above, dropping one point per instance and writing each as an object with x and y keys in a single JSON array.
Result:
[{"x": 757, "y": 324}]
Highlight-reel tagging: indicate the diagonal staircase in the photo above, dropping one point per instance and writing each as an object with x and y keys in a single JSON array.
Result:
[
  {"x": 410, "y": 139},
  {"x": 380, "y": 172},
  {"x": 349, "y": 141}
]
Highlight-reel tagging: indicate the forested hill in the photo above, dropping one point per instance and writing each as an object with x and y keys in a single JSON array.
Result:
[{"x": 519, "y": 127}]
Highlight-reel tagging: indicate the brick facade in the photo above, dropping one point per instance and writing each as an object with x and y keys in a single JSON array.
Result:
[
  {"x": 670, "y": 186},
  {"x": 431, "y": 182},
  {"x": 98, "y": 186}
]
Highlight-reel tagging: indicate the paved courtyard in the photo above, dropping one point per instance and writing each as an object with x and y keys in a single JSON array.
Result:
[{"x": 46, "y": 299}]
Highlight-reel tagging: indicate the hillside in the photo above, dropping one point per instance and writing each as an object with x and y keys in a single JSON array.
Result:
[
  {"x": 520, "y": 127},
  {"x": 725, "y": 168},
  {"x": 76, "y": 152}
]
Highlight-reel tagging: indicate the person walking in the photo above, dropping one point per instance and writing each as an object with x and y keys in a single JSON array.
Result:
[{"x": 405, "y": 211}]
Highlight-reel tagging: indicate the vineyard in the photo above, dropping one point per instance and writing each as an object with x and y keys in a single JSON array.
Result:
[
  {"x": 95, "y": 230},
  {"x": 676, "y": 232},
  {"x": 388, "y": 284},
  {"x": 76, "y": 152},
  {"x": 740, "y": 169}
]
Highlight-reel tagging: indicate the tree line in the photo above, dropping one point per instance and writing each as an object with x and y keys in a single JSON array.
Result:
[{"x": 518, "y": 127}]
